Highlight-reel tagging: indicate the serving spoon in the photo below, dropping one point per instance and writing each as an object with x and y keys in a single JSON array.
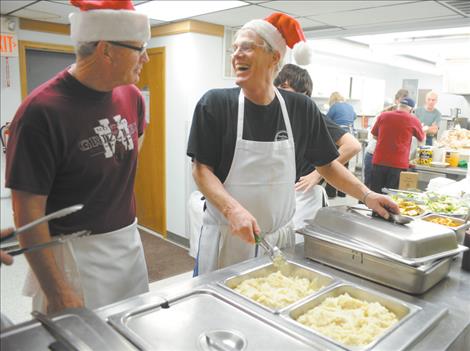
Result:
[{"x": 274, "y": 253}]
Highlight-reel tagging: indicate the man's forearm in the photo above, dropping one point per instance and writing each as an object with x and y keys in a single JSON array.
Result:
[
  {"x": 348, "y": 147},
  {"x": 212, "y": 188},
  {"x": 343, "y": 180},
  {"x": 28, "y": 207}
]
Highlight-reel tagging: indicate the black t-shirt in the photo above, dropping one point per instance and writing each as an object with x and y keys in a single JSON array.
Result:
[
  {"x": 336, "y": 132},
  {"x": 213, "y": 132}
]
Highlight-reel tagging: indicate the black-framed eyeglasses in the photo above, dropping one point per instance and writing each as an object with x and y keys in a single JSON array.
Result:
[{"x": 141, "y": 50}]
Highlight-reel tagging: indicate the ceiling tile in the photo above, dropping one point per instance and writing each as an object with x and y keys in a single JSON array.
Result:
[
  {"x": 235, "y": 17},
  {"x": 308, "y": 23},
  {"x": 57, "y": 11},
  {"x": 9, "y": 6},
  {"x": 308, "y": 8},
  {"x": 386, "y": 14}
]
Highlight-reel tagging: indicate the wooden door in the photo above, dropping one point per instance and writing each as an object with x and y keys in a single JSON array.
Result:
[{"x": 150, "y": 182}]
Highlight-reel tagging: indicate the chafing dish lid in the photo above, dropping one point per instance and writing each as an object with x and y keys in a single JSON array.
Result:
[{"x": 418, "y": 239}]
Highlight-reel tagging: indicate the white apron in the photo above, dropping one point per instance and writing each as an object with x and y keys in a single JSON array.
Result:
[
  {"x": 308, "y": 203},
  {"x": 102, "y": 268},
  {"x": 261, "y": 179}
]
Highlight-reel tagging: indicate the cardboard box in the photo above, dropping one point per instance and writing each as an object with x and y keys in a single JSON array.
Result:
[{"x": 408, "y": 180}]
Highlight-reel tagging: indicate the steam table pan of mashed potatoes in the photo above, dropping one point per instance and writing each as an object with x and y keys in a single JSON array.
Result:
[
  {"x": 276, "y": 287},
  {"x": 352, "y": 317}
]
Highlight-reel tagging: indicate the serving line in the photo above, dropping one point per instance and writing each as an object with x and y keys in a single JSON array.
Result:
[
  {"x": 279, "y": 330},
  {"x": 441, "y": 321}
]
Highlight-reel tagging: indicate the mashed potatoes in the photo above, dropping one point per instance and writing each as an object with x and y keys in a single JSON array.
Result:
[
  {"x": 348, "y": 320},
  {"x": 276, "y": 290}
]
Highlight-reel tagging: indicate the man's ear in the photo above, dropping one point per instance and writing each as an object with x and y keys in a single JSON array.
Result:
[
  {"x": 104, "y": 51},
  {"x": 277, "y": 57}
]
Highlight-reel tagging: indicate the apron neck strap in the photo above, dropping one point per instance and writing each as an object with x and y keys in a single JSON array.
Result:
[{"x": 241, "y": 114}]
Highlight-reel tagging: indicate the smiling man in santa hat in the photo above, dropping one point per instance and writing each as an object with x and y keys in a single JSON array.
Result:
[
  {"x": 247, "y": 145},
  {"x": 75, "y": 140}
]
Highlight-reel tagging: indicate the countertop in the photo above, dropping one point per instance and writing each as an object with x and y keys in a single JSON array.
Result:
[
  {"x": 444, "y": 170},
  {"x": 453, "y": 293}
]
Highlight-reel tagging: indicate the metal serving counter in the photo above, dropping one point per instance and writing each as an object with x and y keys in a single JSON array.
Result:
[
  {"x": 426, "y": 173},
  {"x": 198, "y": 313},
  {"x": 442, "y": 320}
]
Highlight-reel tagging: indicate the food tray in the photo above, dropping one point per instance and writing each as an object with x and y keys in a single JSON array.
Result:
[
  {"x": 370, "y": 265},
  {"x": 289, "y": 269},
  {"x": 186, "y": 320},
  {"x": 459, "y": 228},
  {"x": 416, "y": 243},
  {"x": 401, "y": 309}
]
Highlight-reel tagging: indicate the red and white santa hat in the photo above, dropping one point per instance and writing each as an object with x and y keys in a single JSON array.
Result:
[
  {"x": 281, "y": 30},
  {"x": 108, "y": 20}
]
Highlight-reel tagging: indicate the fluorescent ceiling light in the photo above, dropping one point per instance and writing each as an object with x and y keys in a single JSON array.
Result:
[
  {"x": 432, "y": 45},
  {"x": 174, "y": 10},
  {"x": 444, "y": 33},
  {"x": 358, "y": 52}
]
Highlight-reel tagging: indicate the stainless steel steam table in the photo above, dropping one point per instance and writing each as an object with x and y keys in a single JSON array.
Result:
[{"x": 451, "y": 332}]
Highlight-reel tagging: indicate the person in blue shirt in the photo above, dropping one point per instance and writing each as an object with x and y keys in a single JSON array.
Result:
[{"x": 342, "y": 114}]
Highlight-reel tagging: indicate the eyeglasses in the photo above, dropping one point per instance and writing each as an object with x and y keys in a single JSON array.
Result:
[
  {"x": 141, "y": 50},
  {"x": 245, "y": 47}
]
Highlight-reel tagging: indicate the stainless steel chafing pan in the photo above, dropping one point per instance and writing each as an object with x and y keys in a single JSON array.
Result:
[
  {"x": 401, "y": 309},
  {"x": 289, "y": 269},
  {"x": 367, "y": 264},
  {"x": 416, "y": 243}
]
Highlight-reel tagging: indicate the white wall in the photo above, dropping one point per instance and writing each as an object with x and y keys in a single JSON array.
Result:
[{"x": 193, "y": 66}]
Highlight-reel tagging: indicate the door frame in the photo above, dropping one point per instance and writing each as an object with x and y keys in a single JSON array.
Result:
[
  {"x": 158, "y": 109},
  {"x": 38, "y": 46}
]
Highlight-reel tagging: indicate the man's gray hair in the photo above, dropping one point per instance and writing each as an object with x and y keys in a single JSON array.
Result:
[
  {"x": 85, "y": 48},
  {"x": 266, "y": 47}
]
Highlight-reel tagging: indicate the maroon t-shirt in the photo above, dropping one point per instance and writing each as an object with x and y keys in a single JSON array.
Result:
[
  {"x": 394, "y": 130},
  {"x": 78, "y": 145}
]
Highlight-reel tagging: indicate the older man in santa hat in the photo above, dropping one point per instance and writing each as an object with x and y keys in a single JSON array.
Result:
[
  {"x": 247, "y": 144},
  {"x": 74, "y": 140}
]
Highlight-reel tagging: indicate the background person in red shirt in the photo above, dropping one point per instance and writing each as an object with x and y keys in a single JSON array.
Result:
[{"x": 393, "y": 131}]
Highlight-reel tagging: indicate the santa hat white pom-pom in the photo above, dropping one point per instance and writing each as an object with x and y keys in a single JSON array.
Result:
[{"x": 302, "y": 53}]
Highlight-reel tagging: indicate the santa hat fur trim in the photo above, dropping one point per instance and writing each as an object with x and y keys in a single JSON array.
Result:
[
  {"x": 117, "y": 25},
  {"x": 281, "y": 31},
  {"x": 269, "y": 33}
]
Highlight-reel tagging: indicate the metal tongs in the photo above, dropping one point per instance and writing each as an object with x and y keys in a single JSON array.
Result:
[
  {"x": 60, "y": 240},
  {"x": 273, "y": 251},
  {"x": 65, "y": 340},
  {"x": 393, "y": 217},
  {"x": 57, "y": 214}
]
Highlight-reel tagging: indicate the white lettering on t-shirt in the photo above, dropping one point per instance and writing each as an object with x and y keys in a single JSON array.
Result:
[{"x": 109, "y": 139}]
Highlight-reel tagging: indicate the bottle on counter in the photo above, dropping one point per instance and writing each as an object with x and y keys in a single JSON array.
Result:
[
  {"x": 452, "y": 158},
  {"x": 424, "y": 155}
]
